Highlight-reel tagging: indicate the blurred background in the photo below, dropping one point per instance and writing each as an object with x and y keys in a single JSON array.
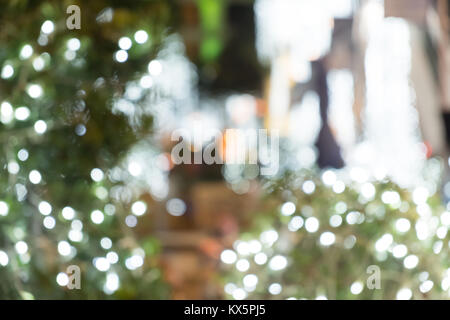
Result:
[{"x": 358, "y": 91}]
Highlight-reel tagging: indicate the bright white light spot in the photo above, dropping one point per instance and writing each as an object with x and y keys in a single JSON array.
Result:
[
  {"x": 40, "y": 126},
  {"x": 141, "y": 36},
  {"x": 34, "y": 91},
  {"x": 13, "y": 167},
  {"x": 7, "y": 71},
  {"x": 277, "y": 263},
  {"x": 3, "y": 258},
  {"x": 62, "y": 279},
  {"x": 441, "y": 232},
  {"x": 22, "y": 113},
  {"x": 134, "y": 262},
  {"x": 64, "y": 248},
  {"x": 106, "y": 243},
  {"x": 308, "y": 187},
  {"x": 47, "y": 27},
  {"x": 339, "y": 187},
  {"x": 49, "y": 222},
  {"x": 327, "y": 238},
  {"x": 426, "y": 286},
  {"x": 260, "y": 258},
  {"x": 146, "y": 82},
  {"x": 250, "y": 281},
  {"x": 21, "y": 247},
  {"x": 411, "y": 261},
  {"x": 34, "y": 177},
  {"x": 97, "y": 216},
  {"x": 335, "y": 220},
  {"x": 73, "y": 44},
  {"x": 45, "y": 208},
  {"x": 68, "y": 213},
  {"x": 138, "y": 208},
  {"x": 125, "y": 43},
  {"x": 312, "y": 224},
  {"x": 22, "y": 154},
  {"x": 134, "y": 169},
  {"x": 75, "y": 235},
  {"x": 329, "y": 177},
  {"x": 445, "y": 218},
  {"x": 112, "y": 283},
  {"x": 356, "y": 287},
  {"x": 38, "y": 64},
  {"x": 269, "y": 237},
  {"x": 121, "y": 56},
  {"x": 131, "y": 221},
  {"x": 422, "y": 229},
  {"x": 176, "y": 207},
  {"x": 368, "y": 190},
  {"x": 288, "y": 208},
  {"x": 404, "y": 294},
  {"x": 420, "y": 195},
  {"x": 6, "y": 112},
  {"x": 399, "y": 251},
  {"x": 112, "y": 257},
  {"x": 275, "y": 288},
  {"x": 242, "y": 265},
  {"x": 4, "y": 208},
  {"x": 402, "y": 225},
  {"x": 358, "y": 174},
  {"x": 353, "y": 217},
  {"x": 384, "y": 242},
  {"x": 390, "y": 197},
  {"x": 437, "y": 247},
  {"x": 97, "y": 174},
  {"x": 255, "y": 246},
  {"x": 102, "y": 264},
  {"x": 26, "y": 52},
  {"x": 239, "y": 294},
  {"x": 155, "y": 68},
  {"x": 242, "y": 247},
  {"x": 228, "y": 256},
  {"x": 295, "y": 224}
]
